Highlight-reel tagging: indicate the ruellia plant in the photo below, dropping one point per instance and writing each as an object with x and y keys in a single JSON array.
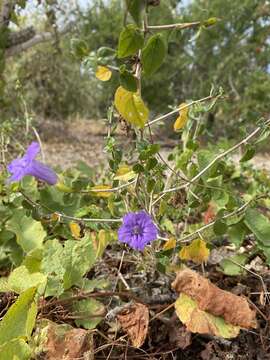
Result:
[{"x": 165, "y": 207}]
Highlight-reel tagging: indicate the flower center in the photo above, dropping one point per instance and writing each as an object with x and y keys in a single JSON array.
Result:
[{"x": 136, "y": 230}]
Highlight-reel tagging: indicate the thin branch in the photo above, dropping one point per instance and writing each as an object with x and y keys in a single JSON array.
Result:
[
  {"x": 191, "y": 236},
  {"x": 120, "y": 187},
  {"x": 163, "y": 117},
  {"x": 218, "y": 157},
  {"x": 180, "y": 26}
]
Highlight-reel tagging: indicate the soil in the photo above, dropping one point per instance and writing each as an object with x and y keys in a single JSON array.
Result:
[{"x": 66, "y": 143}]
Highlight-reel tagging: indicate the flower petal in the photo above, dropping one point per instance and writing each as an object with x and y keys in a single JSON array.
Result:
[
  {"x": 32, "y": 151},
  {"x": 42, "y": 172}
]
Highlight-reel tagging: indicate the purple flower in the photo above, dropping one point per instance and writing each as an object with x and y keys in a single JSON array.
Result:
[
  {"x": 27, "y": 165},
  {"x": 137, "y": 230}
]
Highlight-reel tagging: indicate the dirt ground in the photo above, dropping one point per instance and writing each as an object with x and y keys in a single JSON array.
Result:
[{"x": 66, "y": 143}]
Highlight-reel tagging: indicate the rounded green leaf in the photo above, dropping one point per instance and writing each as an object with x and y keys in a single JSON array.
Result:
[
  {"x": 153, "y": 54},
  {"x": 130, "y": 41}
]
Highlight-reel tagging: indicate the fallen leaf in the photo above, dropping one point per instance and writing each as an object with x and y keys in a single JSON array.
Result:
[
  {"x": 134, "y": 321},
  {"x": 62, "y": 342},
  {"x": 182, "y": 118},
  {"x": 197, "y": 251},
  {"x": 179, "y": 336},
  {"x": 234, "y": 309},
  {"x": 202, "y": 322},
  {"x": 103, "y": 73}
]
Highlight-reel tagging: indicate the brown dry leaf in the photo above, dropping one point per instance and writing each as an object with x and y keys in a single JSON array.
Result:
[
  {"x": 196, "y": 251},
  {"x": 134, "y": 321},
  {"x": 202, "y": 322},
  {"x": 69, "y": 345},
  {"x": 234, "y": 309}
]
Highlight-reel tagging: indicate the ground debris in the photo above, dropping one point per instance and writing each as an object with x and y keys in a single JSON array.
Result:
[
  {"x": 234, "y": 309},
  {"x": 135, "y": 320}
]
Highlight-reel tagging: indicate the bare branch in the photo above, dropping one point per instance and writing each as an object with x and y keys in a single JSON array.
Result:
[
  {"x": 174, "y": 26},
  {"x": 6, "y": 10},
  {"x": 19, "y": 37},
  {"x": 37, "y": 39}
]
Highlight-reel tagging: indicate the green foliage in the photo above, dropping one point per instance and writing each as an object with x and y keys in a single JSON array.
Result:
[
  {"x": 153, "y": 54},
  {"x": 130, "y": 41},
  {"x": 20, "y": 319}
]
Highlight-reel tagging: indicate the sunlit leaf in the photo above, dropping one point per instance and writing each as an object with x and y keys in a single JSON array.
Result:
[
  {"x": 103, "y": 73},
  {"x": 20, "y": 319},
  {"x": 131, "y": 106},
  {"x": 16, "y": 349},
  {"x": 197, "y": 251},
  {"x": 104, "y": 194},
  {"x": 124, "y": 173},
  {"x": 202, "y": 322},
  {"x": 170, "y": 244},
  {"x": 180, "y": 122},
  {"x": 75, "y": 230},
  {"x": 21, "y": 279}
]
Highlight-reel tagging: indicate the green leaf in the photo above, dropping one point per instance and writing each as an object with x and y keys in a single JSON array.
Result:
[
  {"x": 130, "y": 41},
  {"x": 249, "y": 153},
  {"x": 131, "y": 106},
  {"x": 128, "y": 81},
  {"x": 20, "y": 319},
  {"x": 21, "y": 279},
  {"x": 259, "y": 225},
  {"x": 29, "y": 232},
  {"x": 15, "y": 349},
  {"x": 90, "y": 312},
  {"x": 220, "y": 227},
  {"x": 153, "y": 54},
  {"x": 135, "y": 8},
  {"x": 237, "y": 233},
  {"x": 231, "y": 269},
  {"x": 78, "y": 258},
  {"x": 199, "y": 321},
  {"x": 52, "y": 266}
]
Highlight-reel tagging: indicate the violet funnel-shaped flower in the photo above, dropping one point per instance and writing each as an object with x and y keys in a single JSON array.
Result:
[
  {"x": 27, "y": 165},
  {"x": 137, "y": 230}
]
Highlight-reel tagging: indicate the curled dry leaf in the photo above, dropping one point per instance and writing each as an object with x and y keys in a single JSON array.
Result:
[
  {"x": 234, "y": 309},
  {"x": 134, "y": 321}
]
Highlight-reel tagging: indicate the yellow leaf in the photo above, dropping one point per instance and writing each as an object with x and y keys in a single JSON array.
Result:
[
  {"x": 170, "y": 244},
  {"x": 75, "y": 230},
  {"x": 182, "y": 118},
  {"x": 103, "y": 73},
  {"x": 202, "y": 322},
  {"x": 104, "y": 194},
  {"x": 196, "y": 251},
  {"x": 124, "y": 173},
  {"x": 100, "y": 241},
  {"x": 131, "y": 107},
  {"x": 55, "y": 217}
]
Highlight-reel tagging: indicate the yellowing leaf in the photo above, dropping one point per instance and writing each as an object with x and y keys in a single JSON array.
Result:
[
  {"x": 100, "y": 241},
  {"x": 196, "y": 251},
  {"x": 104, "y": 194},
  {"x": 182, "y": 118},
  {"x": 170, "y": 244},
  {"x": 131, "y": 107},
  {"x": 75, "y": 230},
  {"x": 103, "y": 73},
  {"x": 202, "y": 322},
  {"x": 124, "y": 173}
]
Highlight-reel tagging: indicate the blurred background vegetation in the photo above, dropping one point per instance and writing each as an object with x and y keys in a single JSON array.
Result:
[{"x": 50, "y": 81}]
